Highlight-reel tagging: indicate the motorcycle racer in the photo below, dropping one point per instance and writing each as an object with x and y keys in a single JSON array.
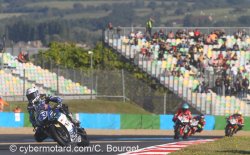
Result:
[
  {"x": 184, "y": 110},
  {"x": 38, "y": 103},
  {"x": 200, "y": 125},
  {"x": 240, "y": 120}
]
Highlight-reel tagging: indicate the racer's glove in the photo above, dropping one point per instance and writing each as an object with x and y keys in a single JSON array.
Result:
[
  {"x": 30, "y": 108},
  {"x": 58, "y": 106}
]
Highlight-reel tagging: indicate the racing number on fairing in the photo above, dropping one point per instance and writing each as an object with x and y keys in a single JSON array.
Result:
[{"x": 42, "y": 115}]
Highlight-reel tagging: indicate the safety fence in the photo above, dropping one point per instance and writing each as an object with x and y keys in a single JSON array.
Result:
[
  {"x": 185, "y": 87},
  {"x": 81, "y": 84},
  {"x": 119, "y": 121},
  {"x": 115, "y": 85}
]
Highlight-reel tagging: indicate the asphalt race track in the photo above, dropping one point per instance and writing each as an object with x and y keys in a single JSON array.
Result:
[{"x": 25, "y": 144}]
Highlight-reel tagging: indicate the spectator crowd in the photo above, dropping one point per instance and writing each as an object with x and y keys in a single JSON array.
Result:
[{"x": 217, "y": 54}]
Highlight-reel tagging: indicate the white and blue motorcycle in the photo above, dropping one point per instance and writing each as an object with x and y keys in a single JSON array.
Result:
[{"x": 58, "y": 125}]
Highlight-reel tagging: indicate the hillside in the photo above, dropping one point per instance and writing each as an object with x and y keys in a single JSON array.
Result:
[{"x": 82, "y": 21}]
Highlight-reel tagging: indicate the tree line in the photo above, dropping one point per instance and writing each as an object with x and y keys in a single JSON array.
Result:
[{"x": 48, "y": 24}]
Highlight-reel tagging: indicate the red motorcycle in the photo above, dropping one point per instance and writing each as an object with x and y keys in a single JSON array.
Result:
[
  {"x": 182, "y": 127},
  {"x": 232, "y": 127}
]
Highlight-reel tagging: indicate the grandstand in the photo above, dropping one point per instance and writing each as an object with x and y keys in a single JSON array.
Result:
[
  {"x": 16, "y": 77},
  {"x": 163, "y": 63}
]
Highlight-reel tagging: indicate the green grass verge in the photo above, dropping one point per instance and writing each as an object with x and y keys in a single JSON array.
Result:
[
  {"x": 225, "y": 146},
  {"x": 91, "y": 106}
]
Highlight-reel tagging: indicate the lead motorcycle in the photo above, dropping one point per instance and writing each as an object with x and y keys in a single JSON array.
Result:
[
  {"x": 58, "y": 126},
  {"x": 182, "y": 127},
  {"x": 232, "y": 127}
]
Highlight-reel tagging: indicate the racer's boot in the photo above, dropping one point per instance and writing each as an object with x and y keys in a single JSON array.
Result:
[{"x": 176, "y": 135}]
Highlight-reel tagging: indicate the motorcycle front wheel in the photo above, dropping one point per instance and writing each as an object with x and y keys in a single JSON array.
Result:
[
  {"x": 60, "y": 134},
  {"x": 177, "y": 132},
  {"x": 229, "y": 131},
  {"x": 186, "y": 132}
]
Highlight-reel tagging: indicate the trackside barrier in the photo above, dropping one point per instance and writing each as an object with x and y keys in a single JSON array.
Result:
[
  {"x": 220, "y": 122},
  {"x": 11, "y": 120},
  {"x": 100, "y": 121},
  {"x": 135, "y": 121},
  {"x": 166, "y": 122},
  {"x": 26, "y": 120},
  {"x": 247, "y": 124},
  {"x": 210, "y": 122},
  {"x": 119, "y": 121}
]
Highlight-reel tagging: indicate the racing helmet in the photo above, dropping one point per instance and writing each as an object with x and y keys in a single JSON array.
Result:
[
  {"x": 238, "y": 112},
  {"x": 32, "y": 93},
  {"x": 202, "y": 117},
  {"x": 184, "y": 107}
]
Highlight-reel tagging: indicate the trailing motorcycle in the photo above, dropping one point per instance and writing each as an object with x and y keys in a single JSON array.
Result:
[
  {"x": 231, "y": 127},
  {"x": 58, "y": 125},
  {"x": 194, "y": 125},
  {"x": 182, "y": 127}
]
